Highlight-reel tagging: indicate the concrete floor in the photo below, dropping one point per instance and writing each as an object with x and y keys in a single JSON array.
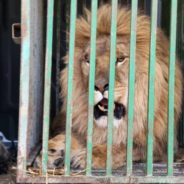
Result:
[{"x": 7, "y": 179}]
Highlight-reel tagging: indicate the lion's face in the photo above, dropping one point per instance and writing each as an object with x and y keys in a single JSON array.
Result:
[{"x": 102, "y": 79}]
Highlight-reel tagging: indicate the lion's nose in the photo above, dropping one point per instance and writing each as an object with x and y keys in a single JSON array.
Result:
[
  {"x": 102, "y": 88},
  {"x": 58, "y": 162}
]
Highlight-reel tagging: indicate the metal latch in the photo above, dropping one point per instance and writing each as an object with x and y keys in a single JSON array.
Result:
[{"x": 16, "y": 33}]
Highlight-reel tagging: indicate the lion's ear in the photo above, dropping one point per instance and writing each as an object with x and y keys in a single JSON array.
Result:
[
  {"x": 82, "y": 34},
  {"x": 87, "y": 14}
]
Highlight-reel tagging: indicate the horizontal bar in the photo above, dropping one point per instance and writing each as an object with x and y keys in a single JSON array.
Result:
[
  {"x": 111, "y": 86},
  {"x": 73, "y": 7},
  {"x": 102, "y": 179},
  {"x": 131, "y": 85},
  {"x": 47, "y": 84},
  {"x": 94, "y": 5},
  {"x": 151, "y": 94},
  {"x": 172, "y": 59}
]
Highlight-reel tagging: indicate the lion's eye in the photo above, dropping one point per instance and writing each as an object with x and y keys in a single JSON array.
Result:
[
  {"x": 121, "y": 60},
  {"x": 52, "y": 150}
]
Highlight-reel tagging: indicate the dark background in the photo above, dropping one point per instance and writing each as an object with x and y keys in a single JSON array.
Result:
[{"x": 9, "y": 69}]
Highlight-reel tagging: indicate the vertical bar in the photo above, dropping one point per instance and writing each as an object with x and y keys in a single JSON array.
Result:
[
  {"x": 131, "y": 85},
  {"x": 172, "y": 58},
  {"x": 47, "y": 84},
  {"x": 151, "y": 94},
  {"x": 58, "y": 53},
  {"x": 24, "y": 84},
  {"x": 94, "y": 5},
  {"x": 73, "y": 10},
  {"x": 111, "y": 86}
]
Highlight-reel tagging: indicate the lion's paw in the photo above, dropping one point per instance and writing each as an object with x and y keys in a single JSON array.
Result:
[
  {"x": 78, "y": 159},
  {"x": 55, "y": 159},
  {"x": 56, "y": 153}
]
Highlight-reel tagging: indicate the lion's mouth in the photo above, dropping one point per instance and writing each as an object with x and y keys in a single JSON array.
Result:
[{"x": 101, "y": 109}]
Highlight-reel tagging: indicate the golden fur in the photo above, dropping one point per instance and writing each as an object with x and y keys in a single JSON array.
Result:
[{"x": 80, "y": 88}]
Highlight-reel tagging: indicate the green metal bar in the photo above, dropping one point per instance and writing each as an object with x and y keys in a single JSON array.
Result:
[
  {"x": 151, "y": 93},
  {"x": 73, "y": 10},
  {"x": 171, "y": 85},
  {"x": 24, "y": 85},
  {"x": 131, "y": 85},
  {"x": 94, "y": 5},
  {"x": 58, "y": 53},
  {"x": 47, "y": 84},
  {"x": 111, "y": 86}
]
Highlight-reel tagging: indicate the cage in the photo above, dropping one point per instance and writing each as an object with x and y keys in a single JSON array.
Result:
[{"x": 41, "y": 63}]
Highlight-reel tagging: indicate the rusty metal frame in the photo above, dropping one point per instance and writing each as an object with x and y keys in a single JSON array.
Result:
[
  {"x": 99, "y": 179},
  {"x": 31, "y": 82}
]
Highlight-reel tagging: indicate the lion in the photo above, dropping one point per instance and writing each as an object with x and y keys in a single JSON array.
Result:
[{"x": 120, "y": 122}]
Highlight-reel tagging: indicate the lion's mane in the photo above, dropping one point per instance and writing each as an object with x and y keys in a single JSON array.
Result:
[{"x": 80, "y": 89}]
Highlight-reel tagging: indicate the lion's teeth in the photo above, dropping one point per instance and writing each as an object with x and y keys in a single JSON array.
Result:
[{"x": 102, "y": 108}]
